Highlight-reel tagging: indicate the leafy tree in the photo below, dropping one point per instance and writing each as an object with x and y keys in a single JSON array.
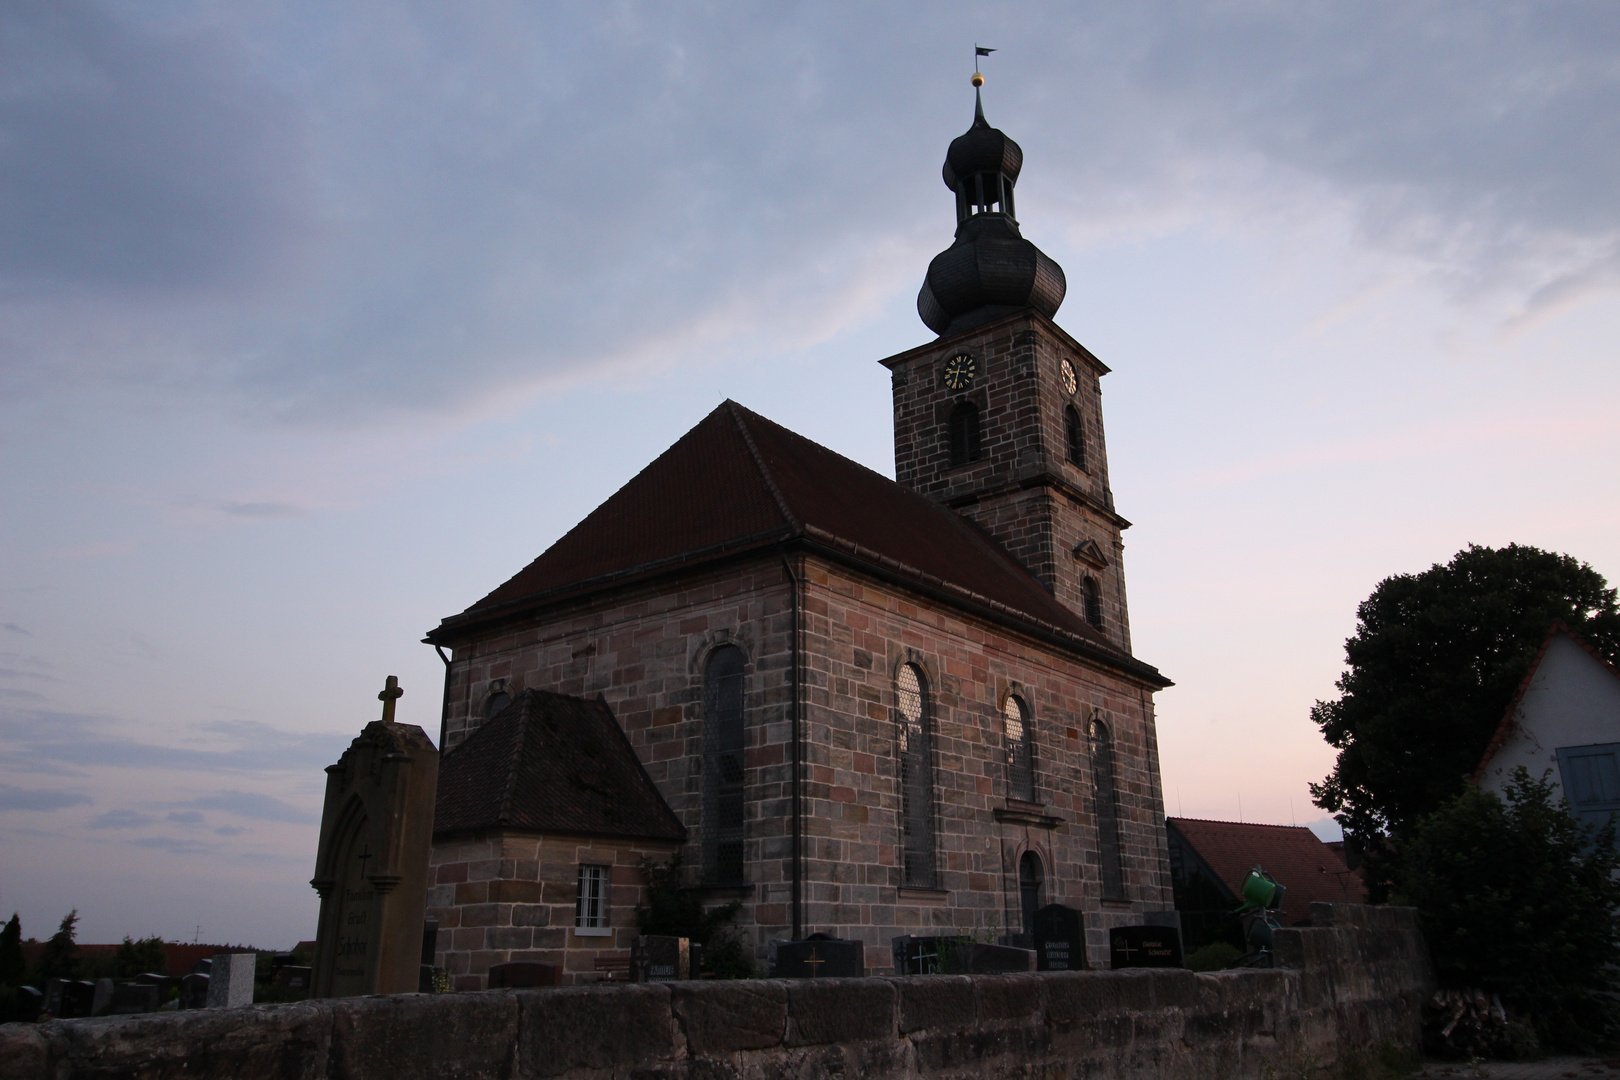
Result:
[
  {"x": 139, "y": 957},
  {"x": 1521, "y": 899},
  {"x": 679, "y": 912},
  {"x": 13, "y": 969},
  {"x": 1433, "y": 665},
  {"x": 60, "y": 959}
]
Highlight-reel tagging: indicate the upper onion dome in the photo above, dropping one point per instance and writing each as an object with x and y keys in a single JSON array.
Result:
[{"x": 991, "y": 270}]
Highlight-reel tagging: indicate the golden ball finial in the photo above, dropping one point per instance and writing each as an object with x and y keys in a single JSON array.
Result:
[{"x": 978, "y": 80}]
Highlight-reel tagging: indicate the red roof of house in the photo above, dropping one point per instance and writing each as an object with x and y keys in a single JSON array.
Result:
[
  {"x": 181, "y": 957},
  {"x": 1506, "y": 726},
  {"x": 739, "y": 483},
  {"x": 1291, "y": 854}
]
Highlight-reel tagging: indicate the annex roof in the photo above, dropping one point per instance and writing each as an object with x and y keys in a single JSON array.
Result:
[
  {"x": 551, "y": 763},
  {"x": 1509, "y": 722},
  {"x": 737, "y": 483},
  {"x": 1292, "y": 854}
]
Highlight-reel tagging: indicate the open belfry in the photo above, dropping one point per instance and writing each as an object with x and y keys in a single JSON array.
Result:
[{"x": 862, "y": 707}]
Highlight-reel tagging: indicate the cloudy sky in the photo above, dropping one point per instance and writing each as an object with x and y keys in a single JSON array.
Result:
[{"x": 319, "y": 320}]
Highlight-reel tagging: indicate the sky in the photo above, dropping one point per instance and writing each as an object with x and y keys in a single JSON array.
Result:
[{"x": 320, "y": 320}]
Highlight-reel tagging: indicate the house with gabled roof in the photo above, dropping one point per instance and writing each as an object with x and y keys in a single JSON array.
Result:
[
  {"x": 1563, "y": 722},
  {"x": 875, "y": 707}
]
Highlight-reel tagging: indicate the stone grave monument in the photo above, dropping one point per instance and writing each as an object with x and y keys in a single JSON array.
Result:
[
  {"x": 230, "y": 979},
  {"x": 372, "y": 863},
  {"x": 818, "y": 956},
  {"x": 1144, "y": 946},
  {"x": 193, "y": 991},
  {"x": 1059, "y": 945},
  {"x": 655, "y": 958}
]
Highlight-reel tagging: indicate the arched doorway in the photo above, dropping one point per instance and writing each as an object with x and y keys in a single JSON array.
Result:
[{"x": 1031, "y": 881}]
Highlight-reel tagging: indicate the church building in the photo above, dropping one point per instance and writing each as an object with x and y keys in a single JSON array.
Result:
[{"x": 859, "y": 706}]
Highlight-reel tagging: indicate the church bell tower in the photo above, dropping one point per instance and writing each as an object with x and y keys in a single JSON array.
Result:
[{"x": 1000, "y": 417}]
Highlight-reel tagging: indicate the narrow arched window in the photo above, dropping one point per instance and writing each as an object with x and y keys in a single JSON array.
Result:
[
  {"x": 1076, "y": 434},
  {"x": 1031, "y": 879},
  {"x": 1020, "y": 752},
  {"x": 723, "y": 766},
  {"x": 497, "y": 701},
  {"x": 916, "y": 780},
  {"x": 1106, "y": 800},
  {"x": 964, "y": 432},
  {"x": 1092, "y": 595}
]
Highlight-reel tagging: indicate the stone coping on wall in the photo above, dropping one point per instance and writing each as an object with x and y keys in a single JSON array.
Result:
[{"x": 1356, "y": 985}]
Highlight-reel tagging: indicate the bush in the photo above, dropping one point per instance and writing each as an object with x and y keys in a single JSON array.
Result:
[
  {"x": 60, "y": 959},
  {"x": 675, "y": 911},
  {"x": 13, "y": 968},
  {"x": 1216, "y": 956},
  {"x": 1519, "y": 898},
  {"x": 139, "y": 957}
]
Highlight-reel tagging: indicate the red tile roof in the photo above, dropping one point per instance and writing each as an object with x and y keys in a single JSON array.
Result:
[
  {"x": 551, "y": 763},
  {"x": 737, "y": 483},
  {"x": 1290, "y": 853}
]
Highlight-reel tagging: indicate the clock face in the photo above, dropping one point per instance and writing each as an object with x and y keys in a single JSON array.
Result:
[
  {"x": 1070, "y": 383},
  {"x": 960, "y": 371}
]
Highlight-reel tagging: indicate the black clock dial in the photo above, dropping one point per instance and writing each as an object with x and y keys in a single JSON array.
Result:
[{"x": 960, "y": 371}]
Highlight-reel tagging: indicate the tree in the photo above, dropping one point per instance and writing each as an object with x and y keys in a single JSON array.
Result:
[
  {"x": 1519, "y": 898},
  {"x": 1433, "y": 665},
  {"x": 13, "y": 969},
  {"x": 60, "y": 959},
  {"x": 139, "y": 957},
  {"x": 678, "y": 912}
]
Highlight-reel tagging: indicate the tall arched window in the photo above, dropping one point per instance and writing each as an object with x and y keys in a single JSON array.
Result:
[
  {"x": 499, "y": 700},
  {"x": 1076, "y": 433},
  {"x": 723, "y": 766},
  {"x": 1107, "y": 804},
  {"x": 964, "y": 432},
  {"x": 1092, "y": 595},
  {"x": 1020, "y": 753},
  {"x": 916, "y": 780},
  {"x": 1031, "y": 877}
]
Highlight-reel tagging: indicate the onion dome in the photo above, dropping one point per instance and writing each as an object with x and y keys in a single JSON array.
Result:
[{"x": 991, "y": 270}]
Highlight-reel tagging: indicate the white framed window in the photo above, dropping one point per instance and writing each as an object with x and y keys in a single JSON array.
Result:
[{"x": 591, "y": 907}]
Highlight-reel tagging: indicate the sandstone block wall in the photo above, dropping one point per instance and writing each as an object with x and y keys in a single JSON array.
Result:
[{"x": 1359, "y": 990}]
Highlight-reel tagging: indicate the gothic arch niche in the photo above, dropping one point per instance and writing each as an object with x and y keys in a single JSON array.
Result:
[
  {"x": 724, "y": 775},
  {"x": 347, "y": 969},
  {"x": 1020, "y": 858},
  {"x": 496, "y": 699},
  {"x": 1105, "y": 797},
  {"x": 1031, "y": 888},
  {"x": 706, "y": 646},
  {"x": 914, "y": 746}
]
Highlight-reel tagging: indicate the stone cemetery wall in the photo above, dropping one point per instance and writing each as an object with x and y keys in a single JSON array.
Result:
[{"x": 1348, "y": 989}]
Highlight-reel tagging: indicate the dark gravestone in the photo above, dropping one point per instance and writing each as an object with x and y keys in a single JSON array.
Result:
[
  {"x": 1144, "y": 946},
  {"x": 425, "y": 981},
  {"x": 654, "y": 958},
  {"x": 820, "y": 956},
  {"x": 52, "y": 1000},
  {"x": 921, "y": 955},
  {"x": 194, "y": 991},
  {"x": 520, "y": 973},
  {"x": 135, "y": 997},
  {"x": 292, "y": 977},
  {"x": 103, "y": 999},
  {"x": 203, "y": 967},
  {"x": 30, "y": 1003},
  {"x": 1059, "y": 945},
  {"x": 78, "y": 998},
  {"x": 977, "y": 958},
  {"x": 371, "y": 866}
]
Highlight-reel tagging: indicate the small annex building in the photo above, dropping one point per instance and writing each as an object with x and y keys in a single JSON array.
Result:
[
  {"x": 1209, "y": 860},
  {"x": 875, "y": 707},
  {"x": 1564, "y": 720},
  {"x": 544, "y": 815}
]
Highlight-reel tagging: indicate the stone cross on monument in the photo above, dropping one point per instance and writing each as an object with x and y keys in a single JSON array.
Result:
[{"x": 372, "y": 864}]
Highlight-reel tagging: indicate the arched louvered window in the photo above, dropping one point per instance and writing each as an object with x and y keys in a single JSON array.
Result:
[
  {"x": 1020, "y": 751},
  {"x": 497, "y": 701},
  {"x": 964, "y": 432},
  {"x": 1076, "y": 434},
  {"x": 1092, "y": 594},
  {"x": 1031, "y": 879},
  {"x": 1106, "y": 801},
  {"x": 916, "y": 780},
  {"x": 723, "y": 766}
]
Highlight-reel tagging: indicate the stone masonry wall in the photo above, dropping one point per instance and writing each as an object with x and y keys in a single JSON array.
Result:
[
  {"x": 645, "y": 653},
  {"x": 1352, "y": 990}
]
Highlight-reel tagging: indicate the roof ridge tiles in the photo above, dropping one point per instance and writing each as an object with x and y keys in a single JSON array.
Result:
[{"x": 736, "y": 411}]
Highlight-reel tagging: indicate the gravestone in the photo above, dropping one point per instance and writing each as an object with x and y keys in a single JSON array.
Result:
[
  {"x": 230, "y": 980},
  {"x": 1059, "y": 945},
  {"x": 52, "y": 1001},
  {"x": 372, "y": 864},
  {"x": 655, "y": 958},
  {"x": 30, "y": 1003},
  {"x": 977, "y": 958},
  {"x": 193, "y": 991},
  {"x": 921, "y": 955},
  {"x": 203, "y": 966},
  {"x": 137, "y": 997},
  {"x": 819, "y": 956},
  {"x": 520, "y": 973},
  {"x": 292, "y": 977},
  {"x": 1144, "y": 946},
  {"x": 77, "y": 999},
  {"x": 103, "y": 999}
]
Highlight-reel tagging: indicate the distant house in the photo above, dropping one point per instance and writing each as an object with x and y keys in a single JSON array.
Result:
[
  {"x": 1564, "y": 720},
  {"x": 1209, "y": 860}
]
